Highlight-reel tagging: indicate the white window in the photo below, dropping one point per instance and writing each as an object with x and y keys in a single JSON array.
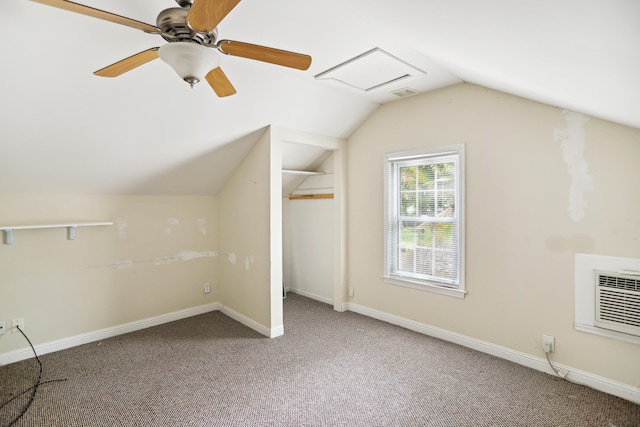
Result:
[{"x": 424, "y": 207}]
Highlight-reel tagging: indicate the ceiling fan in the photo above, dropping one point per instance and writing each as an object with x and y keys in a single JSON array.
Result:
[{"x": 193, "y": 45}]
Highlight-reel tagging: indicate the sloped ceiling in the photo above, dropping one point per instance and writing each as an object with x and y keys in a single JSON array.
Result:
[{"x": 64, "y": 130}]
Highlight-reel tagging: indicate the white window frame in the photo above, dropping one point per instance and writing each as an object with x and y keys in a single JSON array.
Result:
[{"x": 391, "y": 273}]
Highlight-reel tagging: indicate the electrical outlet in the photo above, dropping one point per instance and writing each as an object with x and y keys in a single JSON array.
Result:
[
  {"x": 3, "y": 328},
  {"x": 15, "y": 323},
  {"x": 207, "y": 288},
  {"x": 351, "y": 292},
  {"x": 548, "y": 344}
]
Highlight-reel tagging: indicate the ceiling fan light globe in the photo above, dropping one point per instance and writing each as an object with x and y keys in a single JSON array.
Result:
[{"x": 191, "y": 61}]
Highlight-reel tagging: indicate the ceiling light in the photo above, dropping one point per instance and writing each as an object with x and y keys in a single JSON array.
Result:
[{"x": 191, "y": 61}]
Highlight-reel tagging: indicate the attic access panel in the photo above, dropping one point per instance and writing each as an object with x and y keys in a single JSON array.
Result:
[{"x": 371, "y": 70}]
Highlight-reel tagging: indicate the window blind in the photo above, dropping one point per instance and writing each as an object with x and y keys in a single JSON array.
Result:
[{"x": 423, "y": 217}]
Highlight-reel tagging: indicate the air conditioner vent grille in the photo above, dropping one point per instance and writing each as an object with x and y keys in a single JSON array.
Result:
[
  {"x": 618, "y": 303},
  {"x": 620, "y": 307},
  {"x": 619, "y": 282}
]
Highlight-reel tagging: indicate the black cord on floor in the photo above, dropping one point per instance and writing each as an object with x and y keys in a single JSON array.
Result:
[
  {"x": 27, "y": 390},
  {"x": 34, "y": 388}
]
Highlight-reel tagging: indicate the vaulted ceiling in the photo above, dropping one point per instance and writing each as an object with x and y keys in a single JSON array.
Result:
[{"x": 64, "y": 130}]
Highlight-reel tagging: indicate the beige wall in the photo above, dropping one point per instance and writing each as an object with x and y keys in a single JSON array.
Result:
[
  {"x": 245, "y": 213},
  {"x": 525, "y": 218},
  {"x": 308, "y": 231},
  {"x": 528, "y": 212},
  {"x": 152, "y": 261}
]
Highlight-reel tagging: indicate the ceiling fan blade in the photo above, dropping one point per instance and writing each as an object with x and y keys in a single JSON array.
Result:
[
  {"x": 128, "y": 64},
  {"x": 220, "y": 83},
  {"x": 205, "y": 15},
  {"x": 100, "y": 14},
  {"x": 266, "y": 54}
]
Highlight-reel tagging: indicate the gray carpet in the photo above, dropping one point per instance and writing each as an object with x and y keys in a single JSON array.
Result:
[{"x": 329, "y": 369}]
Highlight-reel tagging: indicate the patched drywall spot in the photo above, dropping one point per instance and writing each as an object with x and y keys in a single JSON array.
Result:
[
  {"x": 184, "y": 255},
  {"x": 122, "y": 229},
  {"x": 232, "y": 258},
  {"x": 163, "y": 261},
  {"x": 124, "y": 265},
  {"x": 201, "y": 226},
  {"x": 573, "y": 144},
  {"x": 248, "y": 261},
  {"x": 191, "y": 255},
  {"x": 171, "y": 222}
]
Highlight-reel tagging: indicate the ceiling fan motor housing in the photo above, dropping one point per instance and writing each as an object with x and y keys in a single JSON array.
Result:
[{"x": 173, "y": 25}]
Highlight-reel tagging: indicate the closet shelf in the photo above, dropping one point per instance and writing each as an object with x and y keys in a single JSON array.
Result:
[
  {"x": 70, "y": 226},
  {"x": 294, "y": 172}
]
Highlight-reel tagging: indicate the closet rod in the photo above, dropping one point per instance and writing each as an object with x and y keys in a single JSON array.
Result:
[{"x": 309, "y": 196}]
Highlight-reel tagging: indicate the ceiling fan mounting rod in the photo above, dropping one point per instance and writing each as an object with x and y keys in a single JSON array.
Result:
[
  {"x": 173, "y": 27},
  {"x": 185, "y": 3}
]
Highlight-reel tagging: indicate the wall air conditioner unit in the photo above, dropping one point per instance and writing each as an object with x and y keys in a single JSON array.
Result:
[{"x": 618, "y": 302}]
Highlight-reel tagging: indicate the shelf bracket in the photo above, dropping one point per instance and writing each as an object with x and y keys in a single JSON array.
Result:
[
  {"x": 71, "y": 233},
  {"x": 70, "y": 226},
  {"x": 8, "y": 237}
]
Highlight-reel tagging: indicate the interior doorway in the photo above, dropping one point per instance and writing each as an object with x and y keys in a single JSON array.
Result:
[{"x": 313, "y": 218}]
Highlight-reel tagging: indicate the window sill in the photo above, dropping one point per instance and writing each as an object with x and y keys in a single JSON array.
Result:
[{"x": 456, "y": 293}]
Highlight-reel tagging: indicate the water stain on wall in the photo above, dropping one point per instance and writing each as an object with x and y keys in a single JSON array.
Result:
[{"x": 578, "y": 243}]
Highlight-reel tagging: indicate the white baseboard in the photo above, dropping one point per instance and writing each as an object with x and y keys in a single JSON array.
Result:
[
  {"x": 258, "y": 327},
  {"x": 312, "y": 296},
  {"x": 62, "y": 344},
  {"x": 65, "y": 343},
  {"x": 597, "y": 382}
]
